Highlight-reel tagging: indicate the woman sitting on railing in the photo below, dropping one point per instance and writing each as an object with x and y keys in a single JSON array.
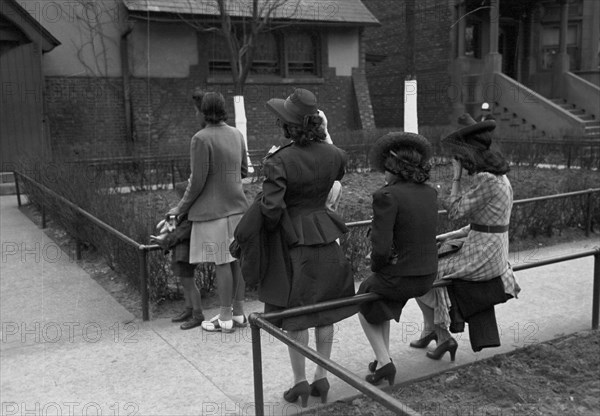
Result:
[
  {"x": 404, "y": 252},
  {"x": 484, "y": 252}
]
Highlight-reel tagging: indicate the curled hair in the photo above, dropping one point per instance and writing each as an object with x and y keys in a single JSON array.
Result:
[
  {"x": 407, "y": 163},
  {"x": 311, "y": 131},
  {"x": 485, "y": 161},
  {"x": 213, "y": 108}
]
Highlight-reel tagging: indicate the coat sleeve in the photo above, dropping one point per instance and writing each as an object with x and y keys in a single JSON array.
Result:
[
  {"x": 200, "y": 158},
  {"x": 274, "y": 188},
  {"x": 382, "y": 229}
]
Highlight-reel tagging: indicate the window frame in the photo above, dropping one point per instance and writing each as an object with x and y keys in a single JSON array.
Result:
[{"x": 283, "y": 72}]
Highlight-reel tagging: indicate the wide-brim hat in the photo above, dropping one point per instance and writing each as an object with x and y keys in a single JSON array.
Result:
[
  {"x": 394, "y": 141},
  {"x": 474, "y": 135},
  {"x": 295, "y": 108},
  {"x": 473, "y": 143}
]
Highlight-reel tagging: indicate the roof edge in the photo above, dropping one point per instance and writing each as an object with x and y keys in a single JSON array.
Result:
[
  {"x": 29, "y": 25},
  {"x": 171, "y": 17}
]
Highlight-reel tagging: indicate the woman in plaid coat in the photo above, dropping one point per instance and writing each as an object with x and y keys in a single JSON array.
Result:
[{"x": 487, "y": 207}]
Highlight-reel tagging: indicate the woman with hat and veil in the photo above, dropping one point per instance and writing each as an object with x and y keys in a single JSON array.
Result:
[
  {"x": 487, "y": 206},
  {"x": 298, "y": 179},
  {"x": 404, "y": 251}
]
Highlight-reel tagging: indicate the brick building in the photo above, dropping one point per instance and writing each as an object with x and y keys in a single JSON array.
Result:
[
  {"x": 536, "y": 62},
  {"x": 414, "y": 40},
  {"x": 121, "y": 82}
]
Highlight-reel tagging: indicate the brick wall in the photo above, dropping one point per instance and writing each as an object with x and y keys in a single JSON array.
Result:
[
  {"x": 433, "y": 53},
  {"x": 87, "y": 118}
]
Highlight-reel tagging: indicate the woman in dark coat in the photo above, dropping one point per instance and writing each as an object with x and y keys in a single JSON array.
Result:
[
  {"x": 404, "y": 253},
  {"x": 298, "y": 178}
]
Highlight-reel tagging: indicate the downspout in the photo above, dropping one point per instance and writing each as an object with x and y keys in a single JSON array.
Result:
[{"x": 124, "y": 46}]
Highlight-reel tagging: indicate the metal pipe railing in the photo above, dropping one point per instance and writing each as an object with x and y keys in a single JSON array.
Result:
[
  {"x": 260, "y": 321},
  {"x": 347, "y": 376},
  {"x": 142, "y": 250},
  {"x": 587, "y": 192}
]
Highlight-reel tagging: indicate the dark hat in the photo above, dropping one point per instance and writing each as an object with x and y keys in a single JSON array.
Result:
[
  {"x": 472, "y": 143},
  {"x": 295, "y": 108},
  {"x": 475, "y": 135},
  {"x": 394, "y": 141}
]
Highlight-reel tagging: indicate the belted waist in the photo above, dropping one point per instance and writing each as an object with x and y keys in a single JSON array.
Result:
[{"x": 495, "y": 229}]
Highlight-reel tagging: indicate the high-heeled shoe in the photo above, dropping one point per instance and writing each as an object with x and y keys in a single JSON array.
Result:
[
  {"x": 373, "y": 365},
  {"x": 299, "y": 390},
  {"x": 449, "y": 345},
  {"x": 320, "y": 388},
  {"x": 424, "y": 342},
  {"x": 387, "y": 372}
]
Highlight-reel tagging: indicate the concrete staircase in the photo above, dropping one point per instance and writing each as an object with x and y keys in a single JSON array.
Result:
[
  {"x": 521, "y": 112},
  {"x": 7, "y": 184},
  {"x": 590, "y": 121},
  {"x": 512, "y": 125}
]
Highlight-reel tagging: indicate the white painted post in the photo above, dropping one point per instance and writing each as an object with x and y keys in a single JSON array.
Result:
[
  {"x": 240, "y": 123},
  {"x": 411, "y": 122}
]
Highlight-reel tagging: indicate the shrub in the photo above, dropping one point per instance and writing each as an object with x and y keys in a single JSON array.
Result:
[{"x": 93, "y": 191}]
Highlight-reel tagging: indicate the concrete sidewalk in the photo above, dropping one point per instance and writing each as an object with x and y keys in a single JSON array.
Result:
[{"x": 69, "y": 348}]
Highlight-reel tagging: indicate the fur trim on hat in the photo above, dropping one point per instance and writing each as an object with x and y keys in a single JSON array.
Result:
[{"x": 394, "y": 141}]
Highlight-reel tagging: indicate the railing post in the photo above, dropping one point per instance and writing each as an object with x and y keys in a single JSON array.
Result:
[
  {"x": 588, "y": 214},
  {"x": 142, "y": 254},
  {"x": 596, "y": 290},
  {"x": 259, "y": 405},
  {"x": 16, "y": 176}
]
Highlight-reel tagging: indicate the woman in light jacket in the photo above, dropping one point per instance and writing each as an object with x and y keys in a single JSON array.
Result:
[{"x": 215, "y": 202}]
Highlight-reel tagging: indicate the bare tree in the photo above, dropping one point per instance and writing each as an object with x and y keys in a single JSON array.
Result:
[{"x": 255, "y": 17}]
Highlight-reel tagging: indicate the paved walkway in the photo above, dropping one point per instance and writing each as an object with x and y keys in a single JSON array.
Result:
[{"x": 69, "y": 348}]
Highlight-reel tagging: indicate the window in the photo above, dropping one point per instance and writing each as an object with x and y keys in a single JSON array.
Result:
[
  {"x": 473, "y": 39},
  {"x": 218, "y": 56},
  {"x": 266, "y": 56},
  {"x": 285, "y": 54},
  {"x": 550, "y": 46},
  {"x": 550, "y": 12},
  {"x": 300, "y": 51}
]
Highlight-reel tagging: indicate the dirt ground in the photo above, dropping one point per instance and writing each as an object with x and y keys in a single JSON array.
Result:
[{"x": 556, "y": 378}]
